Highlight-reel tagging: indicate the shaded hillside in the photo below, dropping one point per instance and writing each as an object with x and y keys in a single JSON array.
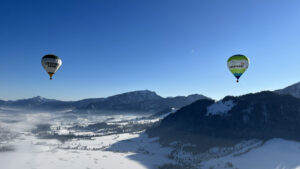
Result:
[
  {"x": 208, "y": 123},
  {"x": 138, "y": 101},
  {"x": 293, "y": 90}
]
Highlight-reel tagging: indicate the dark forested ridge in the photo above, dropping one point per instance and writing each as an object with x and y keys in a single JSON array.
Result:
[{"x": 261, "y": 115}]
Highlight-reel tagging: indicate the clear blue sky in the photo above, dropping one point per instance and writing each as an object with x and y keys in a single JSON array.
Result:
[{"x": 169, "y": 46}]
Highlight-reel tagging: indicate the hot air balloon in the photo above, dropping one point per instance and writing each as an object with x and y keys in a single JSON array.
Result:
[
  {"x": 238, "y": 64},
  {"x": 51, "y": 64}
]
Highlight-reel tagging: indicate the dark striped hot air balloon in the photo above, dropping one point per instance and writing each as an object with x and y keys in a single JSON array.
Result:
[{"x": 51, "y": 64}]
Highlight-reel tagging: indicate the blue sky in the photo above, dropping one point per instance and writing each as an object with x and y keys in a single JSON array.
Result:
[{"x": 169, "y": 46}]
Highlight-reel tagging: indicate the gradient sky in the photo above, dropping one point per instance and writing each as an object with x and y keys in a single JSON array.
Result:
[{"x": 173, "y": 47}]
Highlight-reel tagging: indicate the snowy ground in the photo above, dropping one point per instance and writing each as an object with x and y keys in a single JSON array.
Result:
[
  {"x": 274, "y": 154},
  {"x": 27, "y": 151},
  {"x": 54, "y": 141},
  {"x": 32, "y": 153},
  {"x": 253, "y": 154}
]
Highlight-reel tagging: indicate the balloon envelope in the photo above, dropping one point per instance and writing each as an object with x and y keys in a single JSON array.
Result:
[
  {"x": 238, "y": 64},
  {"x": 51, "y": 64}
]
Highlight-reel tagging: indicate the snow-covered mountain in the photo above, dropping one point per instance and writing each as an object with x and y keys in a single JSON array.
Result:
[
  {"x": 137, "y": 101},
  {"x": 38, "y": 103},
  {"x": 2, "y": 102},
  {"x": 207, "y": 123},
  {"x": 206, "y": 134},
  {"x": 293, "y": 90},
  {"x": 252, "y": 131},
  {"x": 141, "y": 101}
]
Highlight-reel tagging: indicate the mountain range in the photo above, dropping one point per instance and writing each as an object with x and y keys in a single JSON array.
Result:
[
  {"x": 293, "y": 90},
  {"x": 208, "y": 123},
  {"x": 144, "y": 101}
]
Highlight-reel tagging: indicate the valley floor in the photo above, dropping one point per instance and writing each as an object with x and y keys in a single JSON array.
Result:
[
  {"x": 32, "y": 153},
  {"x": 81, "y": 142}
]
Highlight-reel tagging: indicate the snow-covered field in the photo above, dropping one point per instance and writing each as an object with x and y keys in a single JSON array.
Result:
[
  {"x": 274, "y": 154},
  {"x": 32, "y": 153},
  {"x": 27, "y": 150},
  {"x": 55, "y": 141}
]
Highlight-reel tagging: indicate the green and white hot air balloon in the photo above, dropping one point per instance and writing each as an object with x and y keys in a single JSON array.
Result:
[{"x": 238, "y": 64}]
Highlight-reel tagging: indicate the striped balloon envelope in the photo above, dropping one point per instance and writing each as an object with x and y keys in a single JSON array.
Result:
[
  {"x": 238, "y": 64},
  {"x": 51, "y": 64}
]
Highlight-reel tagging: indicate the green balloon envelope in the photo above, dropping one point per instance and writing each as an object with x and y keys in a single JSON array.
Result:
[{"x": 238, "y": 64}]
